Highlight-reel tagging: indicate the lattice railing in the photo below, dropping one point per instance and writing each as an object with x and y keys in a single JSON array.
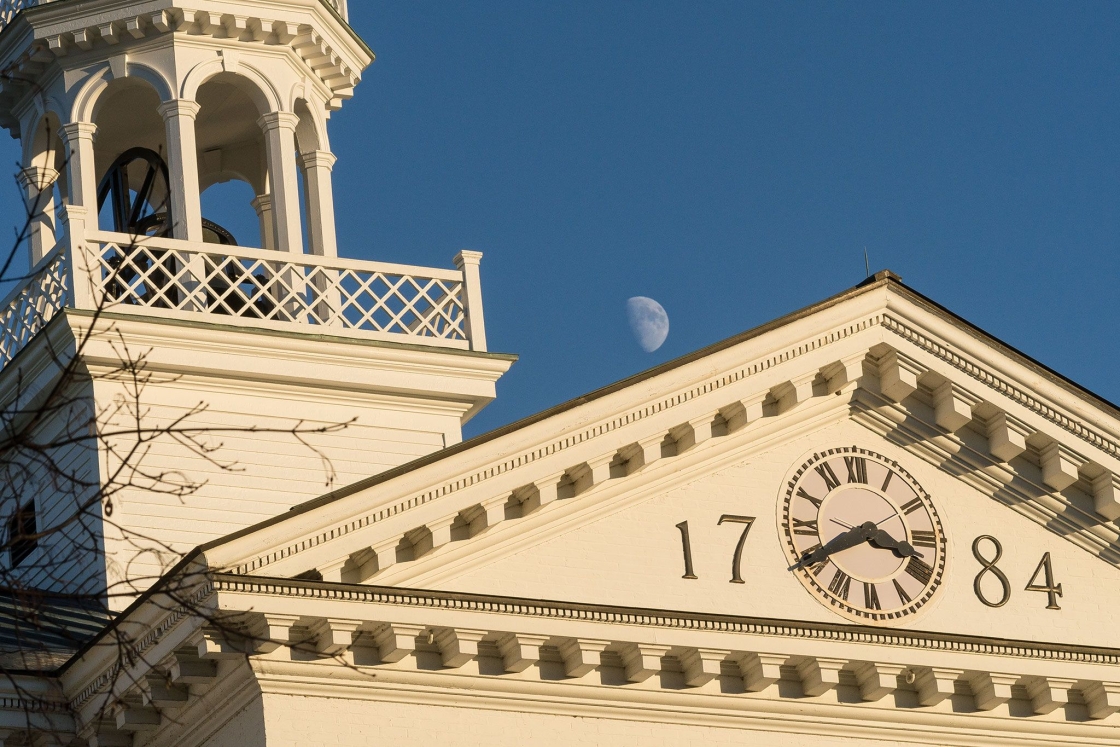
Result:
[
  {"x": 30, "y": 307},
  {"x": 258, "y": 287}
]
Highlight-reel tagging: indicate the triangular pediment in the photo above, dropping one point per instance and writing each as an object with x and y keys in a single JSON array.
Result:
[{"x": 593, "y": 502}]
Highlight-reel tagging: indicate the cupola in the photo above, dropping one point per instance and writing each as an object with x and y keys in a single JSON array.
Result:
[{"x": 127, "y": 112}]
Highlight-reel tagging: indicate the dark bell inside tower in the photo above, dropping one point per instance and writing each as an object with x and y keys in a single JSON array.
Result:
[{"x": 137, "y": 190}]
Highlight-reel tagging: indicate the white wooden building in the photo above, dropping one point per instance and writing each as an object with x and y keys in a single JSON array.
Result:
[{"x": 866, "y": 521}]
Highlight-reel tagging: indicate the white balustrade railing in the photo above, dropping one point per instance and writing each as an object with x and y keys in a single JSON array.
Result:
[
  {"x": 30, "y": 307},
  {"x": 269, "y": 288},
  {"x": 248, "y": 287}
]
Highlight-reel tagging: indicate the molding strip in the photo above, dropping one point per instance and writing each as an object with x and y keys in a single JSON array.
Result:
[
  {"x": 990, "y": 380},
  {"x": 663, "y": 618}
]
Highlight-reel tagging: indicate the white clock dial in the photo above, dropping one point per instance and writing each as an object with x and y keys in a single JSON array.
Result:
[{"x": 862, "y": 535}]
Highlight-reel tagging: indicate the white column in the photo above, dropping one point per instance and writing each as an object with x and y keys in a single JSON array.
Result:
[
  {"x": 263, "y": 205},
  {"x": 317, "y": 166},
  {"x": 80, "y": 212},
  {"x": 182, "y": 165},
  {"x": 467, "y": 262},
  {"x": 38, "y": 185},
  {"x": 80, "y": 167},
  {"x": 280, "y": 138}
]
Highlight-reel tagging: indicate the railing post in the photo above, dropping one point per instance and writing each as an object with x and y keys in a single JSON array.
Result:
[
  {"x": 79, "y": 215},
  {"x": 467, "y": 262},
  {"x": 82, "y": 266}
]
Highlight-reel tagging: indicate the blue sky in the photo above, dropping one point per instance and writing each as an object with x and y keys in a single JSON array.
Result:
[{"x": 732, "y": 160}]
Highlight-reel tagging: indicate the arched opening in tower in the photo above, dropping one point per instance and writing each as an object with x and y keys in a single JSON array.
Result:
[
  {"x": 130, "y": 152},
  {"x": 231, "y": 148}
]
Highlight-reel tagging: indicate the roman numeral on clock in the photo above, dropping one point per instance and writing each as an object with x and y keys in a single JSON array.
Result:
[
  {"x": 840, "y": 584},
  {"x": 857, "y": 469},
  {"x": 902, "y": 595},
  {"x": 870, "y": 597},
  {"x": 911, "y": 506},
  {"x": 824, "y": 469},
  {"x": 920, "y": 538},
  {"x": 815, "y": 501},
  {"x": 817, "y": 567},
  {"x": 919, "y": 570},
  {"x": 805, "y": 527}
]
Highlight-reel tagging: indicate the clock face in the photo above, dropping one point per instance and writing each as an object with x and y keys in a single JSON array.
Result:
[{"x": 862, "y": 535}]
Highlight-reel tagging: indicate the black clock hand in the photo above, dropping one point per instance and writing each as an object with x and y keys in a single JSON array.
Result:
[
  {"x": 883, "y": 540},
  {"x": 851, "y": 538}
]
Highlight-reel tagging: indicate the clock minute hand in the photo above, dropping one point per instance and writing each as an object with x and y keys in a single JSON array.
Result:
[{"x": 851, "y": 538}]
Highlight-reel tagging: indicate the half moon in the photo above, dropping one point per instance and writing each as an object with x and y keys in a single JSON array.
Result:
[{"x": 648, "y": 321}]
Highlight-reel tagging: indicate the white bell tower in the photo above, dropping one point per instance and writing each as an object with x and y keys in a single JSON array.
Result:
[{"x": 127, "y": 112}]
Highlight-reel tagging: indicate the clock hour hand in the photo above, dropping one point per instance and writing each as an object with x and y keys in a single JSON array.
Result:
[
  {"x": 882, "y": 539},
  {"x": 851, "y": 538}
]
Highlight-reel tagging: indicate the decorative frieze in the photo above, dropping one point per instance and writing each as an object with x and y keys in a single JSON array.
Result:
[
  {"x": 187, "y": 669},
  {"x": 760, "y": 670},
  {"x": 311, "y": 46},
  {"x": 844, "y": 374},
  {"x": 819, "y": 674},
  {"x": 333, "y": 636},
  {"x": 160, "y": 692},
  {"x": 1101, "y": 698},
  {"x": 790, "y": 394},
  {"x": 877, "y": 680},
  {"x": 587, "y": 475},
  {"x": 743, "y": 412},
  {"x": 701, "y": 665},
  {"x": 144, "y": 707},
  {"x": 1007, "y": 437},
  {"x": 1106, "y": 495},
  {"x": 641, "y": 660},
  {"x": 1048, "y": 693},
  {"x": 395, "y": 641},
  {"x": 991, "y": 689},
  {"x": 934, "y": 684},
  {"x": 457, "y": 646},
  {"x": 642, "y": 454},
  {"x": 898, "y": 375},
  {"x": 581, "y": 655},
  {"x": 520, "y": 651},
  {"x": 134, "y": 717},
  {"x": 693, "y": 433},
  {"x": 1060, "y": 465},
  {"x": 952, "y": 406}
]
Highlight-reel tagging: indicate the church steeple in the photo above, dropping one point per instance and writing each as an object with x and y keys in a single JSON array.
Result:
[
  {"x": 127, "y": 112},
  {"x": 215, "y": 92}
]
